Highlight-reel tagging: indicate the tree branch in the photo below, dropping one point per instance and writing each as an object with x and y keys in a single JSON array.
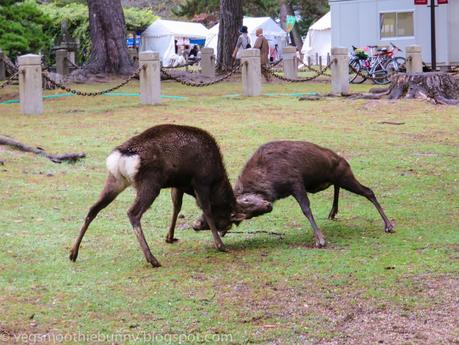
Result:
[{"x": 69, "y": 157}]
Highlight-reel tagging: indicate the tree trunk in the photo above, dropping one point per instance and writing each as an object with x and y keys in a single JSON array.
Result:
[
  {"x": 230, "y": 23},
  {"x": 436, "y": 87},
  {"x": 286, "y": 8},
  {"x": 109, "y": 53}
]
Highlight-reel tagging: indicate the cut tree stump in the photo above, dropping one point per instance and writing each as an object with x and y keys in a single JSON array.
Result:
[
  {"x": 437, "y": 87},
  {"x": 69, "y": 157}
]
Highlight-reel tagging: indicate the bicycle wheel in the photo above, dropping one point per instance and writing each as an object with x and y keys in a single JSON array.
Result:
[
  {"x": 379, "y": 75},
  {"x": 395, "y": 65},
  {"x": 355, "y": 72}
]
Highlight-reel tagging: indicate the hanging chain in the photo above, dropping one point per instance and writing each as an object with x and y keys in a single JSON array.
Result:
[
  {"x": 201, "y": 84},
  {"x": 300, "y": 80},
  {"x": 95, "y": 93}
]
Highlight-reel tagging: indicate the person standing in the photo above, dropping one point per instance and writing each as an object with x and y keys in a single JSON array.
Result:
[
  {"x": 243, "y": 42},
  {"x": 262, "y": 44}
]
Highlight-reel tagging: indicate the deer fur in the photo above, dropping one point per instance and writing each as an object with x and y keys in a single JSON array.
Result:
[{"x": 186, "y": 159}]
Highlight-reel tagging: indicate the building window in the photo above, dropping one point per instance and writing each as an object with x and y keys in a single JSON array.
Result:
[{"x": 396, "y": 24}]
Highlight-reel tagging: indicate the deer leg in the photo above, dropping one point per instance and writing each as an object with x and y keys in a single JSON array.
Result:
[
  {"x": 302, "y": 198},
  {"x": 177, "y": 198},
  {"x": 112, "y": 188},
  {"x": 334, "y": 209},
  {"x": 146, "y": 194},
  {"x": 350, "y": 183},
  {"x": 203, "y": 196}
]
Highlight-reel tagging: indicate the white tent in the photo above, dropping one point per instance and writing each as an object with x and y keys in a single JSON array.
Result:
[
  {"x": 160, "y": 36},
  {"x": 271, "y": 30},
  {"x": 318, "y": 39}
]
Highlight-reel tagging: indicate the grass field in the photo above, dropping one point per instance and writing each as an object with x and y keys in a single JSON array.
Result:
[{"x": 366, "y": 287}]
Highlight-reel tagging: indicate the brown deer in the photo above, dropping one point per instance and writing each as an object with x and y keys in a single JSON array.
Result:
[
  {"x": 282, "y": 168},
  {"x": 294, "y": 168},
  {"x": 186, "y": 159}
]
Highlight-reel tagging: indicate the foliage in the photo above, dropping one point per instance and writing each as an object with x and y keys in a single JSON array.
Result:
[
  {"x": 309, "y": 10},
  {"x": 76, "y": 16},
  {"x": 23, "y": 28},
  {"x": 138, "y": 19}
]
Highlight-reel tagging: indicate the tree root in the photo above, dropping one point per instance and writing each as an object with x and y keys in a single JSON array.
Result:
[
  {"x": 66, "y": 157},
  {"x": 436, "y": 87}
]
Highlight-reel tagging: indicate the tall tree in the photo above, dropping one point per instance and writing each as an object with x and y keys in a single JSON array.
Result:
[
  {"x": 286, "y": 8},
  {"x": 230, "y": 23},
  {"x": 109, "y": 53}
]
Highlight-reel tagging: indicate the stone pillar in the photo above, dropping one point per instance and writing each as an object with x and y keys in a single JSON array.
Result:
[
  {"x": 340, "y": 71},
  {"x": 208, "y": 62},
  {"x": 62, "y": 65},
  {"x": 290, "y": 62},
  {"x": 30, "y": 84},
  {"x": 2, "y": 66},
  {"x": 251, "y": 72},
  {"x": 413, "y": 59},
  {"x": 150, "y": 77}
]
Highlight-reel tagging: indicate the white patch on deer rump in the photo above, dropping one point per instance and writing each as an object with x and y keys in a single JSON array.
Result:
[{"x": 120, "y": 165}]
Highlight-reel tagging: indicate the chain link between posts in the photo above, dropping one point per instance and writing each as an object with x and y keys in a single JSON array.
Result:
[
  {"x": 71, "y": 63},
  {"x": 9, "y": 80},
  {"x": 201, "y": 84},
  {"x": 95, "y": 93},
  {"x": 300, "y": 80}
]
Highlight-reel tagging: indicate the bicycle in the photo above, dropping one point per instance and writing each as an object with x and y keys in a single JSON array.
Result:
[{"x": 379, "y": 66}]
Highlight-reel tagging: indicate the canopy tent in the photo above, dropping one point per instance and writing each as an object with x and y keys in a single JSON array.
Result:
[
  {"x": 318, "y": 39},
  {"x": 271, "y": 30},
  {"x": 161, "y": 35}
]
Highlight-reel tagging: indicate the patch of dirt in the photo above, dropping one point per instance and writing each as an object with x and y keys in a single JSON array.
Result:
[{"x": 347, "y": 316}]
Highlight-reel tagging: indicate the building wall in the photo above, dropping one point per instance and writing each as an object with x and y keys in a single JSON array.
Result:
[
  {"x": 453, "y": 30},
  {"x": 356, "y": 22}
]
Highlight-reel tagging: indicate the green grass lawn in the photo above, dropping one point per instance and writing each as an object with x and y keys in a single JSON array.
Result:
[{"x": 365, "y": 287}]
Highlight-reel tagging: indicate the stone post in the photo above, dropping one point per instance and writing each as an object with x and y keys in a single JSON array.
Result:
[
  {"x": 413, "y": 59},
  {"x": 290, "y": 62},
  {"x": 62, "y": 65},
  {"x": 251, "y": 72},
  {"x": 150, "y": 77},
  {"x": 2, "y": 66},
  {"x": 340, "y": 71},
  {"x": 208, "y": 62},
  {"x": 30, "y": 84}
]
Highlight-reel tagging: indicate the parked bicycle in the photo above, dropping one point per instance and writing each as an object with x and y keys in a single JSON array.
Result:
[{"x": 375, "y": 63}]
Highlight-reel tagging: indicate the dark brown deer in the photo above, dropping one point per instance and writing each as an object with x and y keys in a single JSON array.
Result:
[
  {"x": 185, "y": 158},
  {"x": 282, "y": 168}
]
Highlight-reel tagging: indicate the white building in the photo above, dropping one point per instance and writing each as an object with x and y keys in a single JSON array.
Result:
[{"x": 379, "y": 22}]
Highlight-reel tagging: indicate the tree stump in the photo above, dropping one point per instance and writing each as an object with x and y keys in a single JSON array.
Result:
[{"x": 438, "y": 87}]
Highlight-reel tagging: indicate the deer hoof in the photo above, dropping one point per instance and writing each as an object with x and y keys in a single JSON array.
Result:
[
  {"x": 171, "y": 240},
  {"x": 221, "y": 248},
  {"x": 321, "y": 243},
  {"x": 73, "y": 256},
  {"x": 154, "y": 263},
  {"x": 389, "y": 228}
]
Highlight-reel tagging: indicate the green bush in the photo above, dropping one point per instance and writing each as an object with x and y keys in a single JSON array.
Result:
[
  {"x": 24, "y": 28},
  {"x": 76, "y": 15}
]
